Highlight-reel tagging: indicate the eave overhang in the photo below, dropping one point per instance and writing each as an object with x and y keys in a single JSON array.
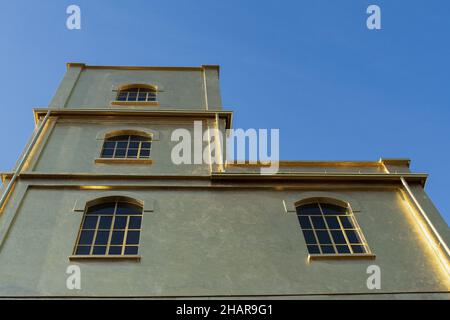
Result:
[{"x": 94, "y": 112}]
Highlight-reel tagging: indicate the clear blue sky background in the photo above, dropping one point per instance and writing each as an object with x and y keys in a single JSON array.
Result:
[{"x": 336, "y": 90}]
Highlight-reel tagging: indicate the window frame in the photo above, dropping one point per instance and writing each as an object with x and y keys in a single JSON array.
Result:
[
  {"x": 107, "y": 256},
  {"x": 127, "y": 160},
  {"x": 355, "y": 226},
  {"x": 137, "y": 87}
]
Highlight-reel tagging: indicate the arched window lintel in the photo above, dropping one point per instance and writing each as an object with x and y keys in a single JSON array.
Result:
[
  {"x": 340, "y": 199},
  {"x": 84, "y": 201},
  {"x": 107, "y": 133},
  {"x": 137, "y": 85}
]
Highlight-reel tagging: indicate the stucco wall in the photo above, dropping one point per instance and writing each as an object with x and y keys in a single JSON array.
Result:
[
  {"x": 177, "y": 89},
  {"x": 73, "y": 146},
  {"x": 226, "y": 241}
]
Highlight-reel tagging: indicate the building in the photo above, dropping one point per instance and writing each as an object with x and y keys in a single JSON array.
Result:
[{"x": 96, "y": 188}]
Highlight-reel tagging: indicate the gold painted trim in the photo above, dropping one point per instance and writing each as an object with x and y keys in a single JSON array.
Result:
[
  {"x": 155, "y": 68},
  {"x": 123, "y": 161},
  {"x": 354, "y": 256},
  {"x": 227, "y": 115},
  {"x": 308, "y": 163},
  {"x": 134, "y": 103},
  {"x": 136, "y": 258}
]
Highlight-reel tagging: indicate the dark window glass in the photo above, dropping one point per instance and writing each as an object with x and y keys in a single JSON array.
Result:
[
  {"x": 313, "y": 249},
  {"x": 145, "y": 153},
  {"x": 86, "y": 237},
  {"x": 120, "y": 153},
  {"x": 146, "y": 145},
  {"x": 134, "y": 223},
  {"x": 118, "y": 138},
  {"x": 309, "y": 209},
  {"x": 132, "y": 96},
  {"x": 105, "y": 222},
  {"x": 90, "y": 222},
  {"x": 122, "y": 144},
  {"x": 122, "y": 96},
  {"x": 139, "y": 94},
  {"x": 133, "y": 237},
  {"x": 109, "y": 145},
  {"x": 102, "y": 237},
  {"x": 309, "y": 237},
  {"x": 128, "y": 208},
  {"x": 107, "y": 153},
  {"x": 115, "y": 250},
  {"x": 352, "y": 236},
  {"x": 327, "y": 249},
  {"x": 318, "y": 222},
  {"x": 332, "y": 209},
  {"x": 134, "y": 145},
  {"x": 131, "y": 250},
  {"x": 338, "y": 237},
  {"x": 333, "y": 223},
  {"x": 120, "y": 222},
  {"x": 324, "y": 237},
  {"x": 104, "y": 229},
  {"x": 132, "y": 153},
  {"x": 126, "y": 146},
  {"x": 83, "y": 250},
  {"x": 304, "y": 222},
  {"x": 117, "y": 237},
  {"x": 346, "y": 223},
  {"x": 343, "y": 249},
  {"x": 358, "y": 249},
  {"x": 142, "y": 96},
  {"x": 99, "y": 250},
  {"x": 107, "y": 208},
  {"x": 329, "y": 229}
]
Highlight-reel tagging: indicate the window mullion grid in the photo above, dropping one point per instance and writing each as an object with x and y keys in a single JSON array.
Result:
[
  {"x": 138, "y": 156},
  {"x": 115, "y": 149},
  {"x": 128, "y": 146},
  {"x": 91, "y": 251},
  {"x": 345, "y": 234},
  {"x": 328, "y": 230},
  {"x": 313, "y": 229},
  {"x": 358, "y": 231},
  {"x": 125, "y": 234},
  {"x": 111, "y": 229}
]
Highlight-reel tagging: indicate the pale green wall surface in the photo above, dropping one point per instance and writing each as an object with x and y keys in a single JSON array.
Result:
[
  {"x": 202, "y": 236},
  {"x": 196, "y": 243}
]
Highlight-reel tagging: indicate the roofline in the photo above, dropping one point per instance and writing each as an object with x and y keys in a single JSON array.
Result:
[
  {"x": 299, "y": 176},
  {"x": 155, "y": 68},
  {"x": 325, "y": 163},
  {"x": 41, "y": 112}
]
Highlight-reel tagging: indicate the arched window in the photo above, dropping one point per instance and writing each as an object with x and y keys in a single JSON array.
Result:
[
  {"x": 126, "y": 146},
  {"x": 140, "y": 93},
  {"x": 110, "y": 227},
  {"x": 330, "y": 228}
]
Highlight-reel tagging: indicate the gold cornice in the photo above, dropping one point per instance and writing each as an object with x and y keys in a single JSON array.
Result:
[
  {"x": 306, "y": 176},
  {"x": 154, "y": 68},
  {"x": 309, "y": 163},
  {"x": 40, "y": 112},
  {"x": 356, "y": 177}
]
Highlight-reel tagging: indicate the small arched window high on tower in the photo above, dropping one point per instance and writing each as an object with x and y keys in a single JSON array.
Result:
[
  {"x": 110, "y": 227},
  {"x": 140, "y": 93},
  {"x": 126, "y": 145},
  {"x": 330, "y": 229}
]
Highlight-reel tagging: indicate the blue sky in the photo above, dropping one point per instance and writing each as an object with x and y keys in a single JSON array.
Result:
[{"x": 336, "y": 90}]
